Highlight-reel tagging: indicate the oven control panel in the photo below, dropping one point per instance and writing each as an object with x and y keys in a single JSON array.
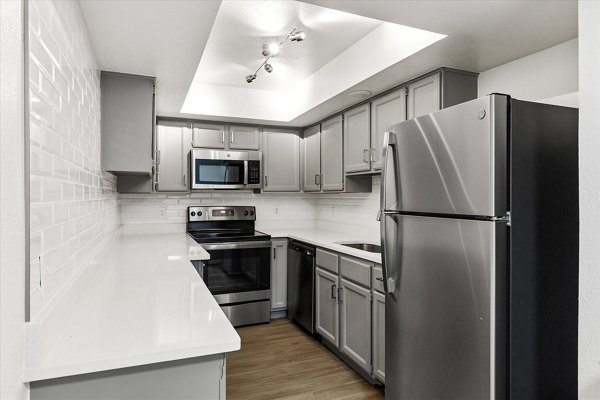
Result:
[
  {"x": 221, "y": 213},
  {"x": 253, "y": 172}
]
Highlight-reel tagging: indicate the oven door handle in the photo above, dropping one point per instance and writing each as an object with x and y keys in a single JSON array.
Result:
[{"x": 236, "y": 245}]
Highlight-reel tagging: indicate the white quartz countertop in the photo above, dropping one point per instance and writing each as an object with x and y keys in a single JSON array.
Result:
[
  {"x": 330, "y": 240},
  {"x": 143, "y": 304}
]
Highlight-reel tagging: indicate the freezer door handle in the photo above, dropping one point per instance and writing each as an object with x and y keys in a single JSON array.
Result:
[{"x": 389, "y": 149}]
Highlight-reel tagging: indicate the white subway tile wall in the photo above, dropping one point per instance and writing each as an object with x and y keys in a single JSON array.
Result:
[
  {"x": 74, "y": 205},
  {"x": 338, "y": 212}
]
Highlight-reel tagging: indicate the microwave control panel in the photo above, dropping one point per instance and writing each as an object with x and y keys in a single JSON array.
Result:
[{"x": 253, "y": 172}]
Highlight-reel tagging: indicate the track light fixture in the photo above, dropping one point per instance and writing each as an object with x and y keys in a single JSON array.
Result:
[{"x": 271, "y": 50}]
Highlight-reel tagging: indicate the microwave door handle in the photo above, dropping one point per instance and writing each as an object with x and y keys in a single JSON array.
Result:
[{"x": 246, "y": 172}]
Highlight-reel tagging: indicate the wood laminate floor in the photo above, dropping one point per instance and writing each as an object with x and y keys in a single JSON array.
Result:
[{"x": 279, "y": 361}]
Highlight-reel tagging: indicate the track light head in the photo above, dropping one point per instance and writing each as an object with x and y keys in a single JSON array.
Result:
[
  {"x": 250, "y": 78},
  {"x": 268, "y": 68},
  {"x": 298, "y": 36}
]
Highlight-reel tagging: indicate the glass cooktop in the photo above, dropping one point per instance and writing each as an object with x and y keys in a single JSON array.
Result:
[{"x": 227, "y": 235}]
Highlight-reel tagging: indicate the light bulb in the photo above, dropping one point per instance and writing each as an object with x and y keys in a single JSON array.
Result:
[
  {"x": 268, "y": 68},
  {"x": 250, "y": 78},
  {"x": 298, "y": 36}
]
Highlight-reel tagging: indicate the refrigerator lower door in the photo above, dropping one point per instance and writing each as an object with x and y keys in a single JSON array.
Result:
[{"x": 441, "y": 322}]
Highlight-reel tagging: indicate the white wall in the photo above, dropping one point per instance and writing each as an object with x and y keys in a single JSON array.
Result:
[
  {"x": 589, "y": 200},
  {"x": 74, "y": 205},
  {"x": 12, "y": 204},
  {"x": 549, "y": 76}
]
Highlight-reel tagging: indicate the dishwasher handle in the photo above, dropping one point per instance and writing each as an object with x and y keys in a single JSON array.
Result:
[{"x": 302, "y": 248}]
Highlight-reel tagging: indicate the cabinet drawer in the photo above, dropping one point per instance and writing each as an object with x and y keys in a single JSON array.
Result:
[
  {"x": 377, "y": 279},
  {"x": 327, "y": 260},
  {"x": 356, "y": 270}
]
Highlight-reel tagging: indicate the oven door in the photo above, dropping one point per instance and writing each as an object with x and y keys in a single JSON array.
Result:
[
  {"x": 213, "y": 169},
  {"x": 238, "y": 271}
]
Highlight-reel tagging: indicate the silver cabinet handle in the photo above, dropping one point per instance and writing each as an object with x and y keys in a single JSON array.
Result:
[
  {"x": 317, "y": 179},
  {"x": 380, "y": 279},
  {"x": 223, "y": 136},
  {"x": 373, "y": 150},
  {"x": 184, "y": 180},
  {"x": 231, "y": 136},
  {"x": 266, "y": 181},
  {"x": 274, "y": 253},
  {"x": 333, "y": 292},
  {"x": 157, "y": 157},
  {"x": 366, "y": 156},
  {"x": 340, "y": 294}
]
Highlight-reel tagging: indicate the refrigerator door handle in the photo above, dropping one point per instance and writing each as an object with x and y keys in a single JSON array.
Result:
[{"x": 389, "y": 144}]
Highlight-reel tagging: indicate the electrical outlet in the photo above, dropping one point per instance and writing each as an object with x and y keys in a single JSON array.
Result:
[
  {"x": 276, "y": 210},
  {"x": 162, "y": 212}
]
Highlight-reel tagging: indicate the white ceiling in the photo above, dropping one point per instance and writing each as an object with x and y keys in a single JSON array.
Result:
[{"x": 167, "y": 39}]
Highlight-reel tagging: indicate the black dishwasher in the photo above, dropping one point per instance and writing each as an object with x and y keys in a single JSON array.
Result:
[{"x": 301, "y": 284}]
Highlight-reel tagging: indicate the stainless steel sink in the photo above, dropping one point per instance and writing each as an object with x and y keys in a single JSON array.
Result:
[{"x": 371, "y": 248}]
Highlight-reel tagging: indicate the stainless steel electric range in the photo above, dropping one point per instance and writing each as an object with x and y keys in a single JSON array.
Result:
[{"x": 238, "y": 273}]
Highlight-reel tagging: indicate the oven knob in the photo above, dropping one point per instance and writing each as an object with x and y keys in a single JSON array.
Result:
[
  {"x": 199, "y": 213},
  {"x": 246, "y": 213},
  {"x": 251, "y": 213},
  {"x": 193, "y": 213}
]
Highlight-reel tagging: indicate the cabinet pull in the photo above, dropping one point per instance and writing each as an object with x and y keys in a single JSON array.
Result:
[
  {"x": 184, "y": 180},
  {"x": 223, "y": 136},
  {"x": 340, "y": 293},
  {"x": 373, "y": 150},
  {"x": 157, "y": 157},
  {"x": 266, "y": 181},
  {"x": 317, "y": 179},
  {"x": 231, "y": 137},
  {"x": 380, "y": 279},
  {"x": 333, "y": 291},
  {"x": 366, "y": 156}
]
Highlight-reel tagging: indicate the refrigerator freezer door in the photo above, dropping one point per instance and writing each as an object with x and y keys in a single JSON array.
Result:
[
  {"x": 440, "y": 322},
  {"x": 454, "y": 161}
]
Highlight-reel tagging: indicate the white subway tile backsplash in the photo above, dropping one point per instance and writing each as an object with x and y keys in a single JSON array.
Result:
[{"x": 74, "y": 205}]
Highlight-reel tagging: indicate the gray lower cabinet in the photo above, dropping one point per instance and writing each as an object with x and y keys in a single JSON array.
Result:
[
  {"x": 173, "y": 145},
  {"x": 332, "y": 161},
  {"x": 127, "y": 123},
  {"x": 326, "y": 305},
  {"x": 311, "y": 158},
  {"x": 378, "y": 326},
  {"x": 357, "y": 144},
  {"x": 211, "y": 136},
  {"x": 355, "y": 323},
  {"x": 202, "y": 378},
  {"x": 278, "y": 274},
  {"x": 281, "y": 161},
  {"x": 386, "y": 111}
]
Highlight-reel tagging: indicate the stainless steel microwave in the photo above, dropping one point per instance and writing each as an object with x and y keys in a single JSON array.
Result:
[{"x": 223, "y": 169}]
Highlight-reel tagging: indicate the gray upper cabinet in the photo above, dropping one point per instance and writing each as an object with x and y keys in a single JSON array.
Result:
[
  {"x": 281, "y": 161},
  {"x": 173, "y": 144},
  {"x": 355, "y": 323},
  {"x": 444, "y": 88},
  {"x": 326, "y": 305},
  {"x": 244, "y": 137},
  {"x": 332, "y": 161},
  {"x": 312, "y": 158},
  {"x": 212, "y": 136},
  {"x": 127, "y": 123},
  {"x": 379, "y": 336},
  {"x": 357, "y": 143},
  {"x": 385, "y": 112},
  {"x": 424, "y": 96}
]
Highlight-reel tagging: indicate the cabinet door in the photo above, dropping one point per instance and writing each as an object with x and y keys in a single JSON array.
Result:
[
  {"x": 211, "y": 136},
  {"x": 127, "y": 122},
  {"x": 279, "y": 274},
  {"x": 357, "y": 139},
  {"x": 281, "y": 157},
  {"x": 172, "y": 141},
  {"x": 244, "y": 137},
  {"x": 379, "y": 336},
  {"x": 424, "y": 96},
  {"x": 312, "y": 159},
  {"x": 332, "y": 159},
  {"x": 326, "y": 305},
  {"x": 355, "y": 323},
  {"x": 385, "y": 112}
]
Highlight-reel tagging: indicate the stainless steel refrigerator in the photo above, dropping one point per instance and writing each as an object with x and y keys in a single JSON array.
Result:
[{"x": 479, "y": 227}]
